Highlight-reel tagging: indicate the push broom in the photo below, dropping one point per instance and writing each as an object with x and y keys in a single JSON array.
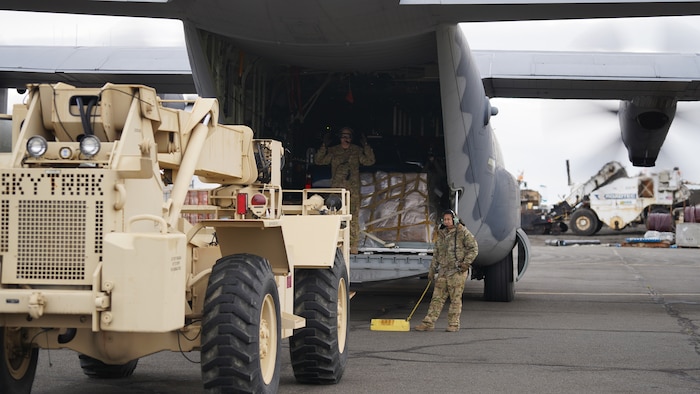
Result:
[{"x": 397, "y": 324}]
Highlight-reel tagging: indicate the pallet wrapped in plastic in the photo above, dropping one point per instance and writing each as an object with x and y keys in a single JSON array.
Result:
[{"x": 395, "y": 208}]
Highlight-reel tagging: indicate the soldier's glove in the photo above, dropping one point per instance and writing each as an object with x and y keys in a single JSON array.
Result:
[
  {"x": 463, "y": 267},
  {"x": 363, "y": 139},
  {"x": 431, "y": 276},
  {"x": 327, "y": 140}
]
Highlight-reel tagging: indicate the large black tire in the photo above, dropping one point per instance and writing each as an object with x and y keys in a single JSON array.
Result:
[
  {"x": 241, "y": 327},
  {"x": 584, "y": 222},
  {"x": 600, "y": 226},
  {"x": 95, "y": 368},
  {"x": 319, "y": 351},
  {"x": 18, "y": 361},
  {"x": 499, "y": 281}
]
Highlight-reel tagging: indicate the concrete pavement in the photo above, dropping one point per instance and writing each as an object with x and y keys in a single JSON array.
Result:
[{"x": 593, "y": 319}]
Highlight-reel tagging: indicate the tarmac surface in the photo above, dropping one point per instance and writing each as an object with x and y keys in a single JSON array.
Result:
[{"x": 586, "y": 319}]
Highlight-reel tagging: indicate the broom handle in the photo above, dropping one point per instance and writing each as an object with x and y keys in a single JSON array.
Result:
[{"x": 418, "y": 303}]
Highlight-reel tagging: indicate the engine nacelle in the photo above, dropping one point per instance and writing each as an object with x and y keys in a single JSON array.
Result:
[{"x": 644, "y": 124}]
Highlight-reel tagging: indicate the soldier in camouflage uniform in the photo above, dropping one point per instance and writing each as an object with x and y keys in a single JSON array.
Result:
[
  {"x": 455, "y": 250},
  {"x": 345, "y": 160}
]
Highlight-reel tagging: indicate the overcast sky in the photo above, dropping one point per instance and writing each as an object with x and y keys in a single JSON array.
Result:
[{"x": 537, "y": 136}]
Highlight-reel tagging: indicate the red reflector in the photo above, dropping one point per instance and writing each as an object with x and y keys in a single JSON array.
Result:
[
  {"x": 258, "y": 199},
  {"x": 289, "y": 281},
  {"x": 241, "y": 203}
]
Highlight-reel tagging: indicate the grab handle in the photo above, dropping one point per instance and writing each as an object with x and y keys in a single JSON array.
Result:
[{"x": 163, "y": 223}]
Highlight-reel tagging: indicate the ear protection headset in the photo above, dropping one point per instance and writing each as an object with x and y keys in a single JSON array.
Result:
[{"x": 450, "y": 212}]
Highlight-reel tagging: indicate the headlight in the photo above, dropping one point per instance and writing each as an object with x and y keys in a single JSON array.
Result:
[
  {"x": 334, "y": 202},
  {"x": 89, "y": 146},
  {"x": 36, "y": 146}
]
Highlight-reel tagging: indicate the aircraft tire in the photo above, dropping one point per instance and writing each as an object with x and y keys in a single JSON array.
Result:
[
  {"x": 319, "y": 351},
  {"x": 95, "y": 368},
  {"x": 584, "y": 222},
  {"x": 18, "y": 366},
  {"x": 241, "y": 327},
  {"x": 499, "y": 281}
]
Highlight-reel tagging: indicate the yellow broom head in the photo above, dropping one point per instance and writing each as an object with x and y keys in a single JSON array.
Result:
[
  {"x": 389, "y": 325},
  {"x": 397, "y": 324}
]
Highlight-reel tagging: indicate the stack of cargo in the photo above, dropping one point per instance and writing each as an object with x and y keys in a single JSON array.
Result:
[
  {"x": 194, "y": 197},
  {"x": 395, "y": 209}
]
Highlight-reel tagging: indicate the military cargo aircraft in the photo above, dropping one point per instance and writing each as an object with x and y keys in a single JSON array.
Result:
[{"x": 409, "y": 66}]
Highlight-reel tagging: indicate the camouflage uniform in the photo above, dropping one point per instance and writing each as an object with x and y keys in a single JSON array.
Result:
[
  {"x": 455, "y": 250},
  {"x": 345, "y": 173}
]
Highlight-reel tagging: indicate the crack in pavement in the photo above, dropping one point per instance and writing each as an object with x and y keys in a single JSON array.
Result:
[{"x": 687, "y": 326}]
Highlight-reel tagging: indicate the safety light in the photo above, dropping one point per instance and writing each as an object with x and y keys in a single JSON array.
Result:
[
  {"x": 65, "y": 152},
  {"x": 89, "y": 146},
  {"x": 258, "y": 205},
  {"x": 258, "y": 199},
  {"x": 36, "y": 146},
  {"x": 242, "y": 203}
]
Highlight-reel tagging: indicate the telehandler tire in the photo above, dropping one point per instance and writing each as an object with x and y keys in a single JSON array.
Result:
[
  {"x": 319, "y": 350},
  {"x": 18, "y": 361},
  {"x": 95, "y": 368},
  {"x": 241, "y": 327}
]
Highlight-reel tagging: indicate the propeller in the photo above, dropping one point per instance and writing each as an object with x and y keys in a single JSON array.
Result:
[
  {"x": 589, "y": 135},
  {"x": 663, "y": 34},
  {"x": 683, "y": 142},
  {"x": 587, "y": 132}
]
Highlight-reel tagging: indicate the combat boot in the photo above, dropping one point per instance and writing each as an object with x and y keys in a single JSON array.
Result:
[
  {"x": 452, "y": 328},
  {"x": 424, "y": 327}
]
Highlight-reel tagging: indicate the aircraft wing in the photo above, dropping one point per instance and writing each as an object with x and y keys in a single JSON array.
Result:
[
  {"x": 359, "y": 35},
  {"x": 430, "y": 12},
  {"x": 165, "y": 68},
  {"x": 514, "y": 74},
  {"x": 648, "y": 85},
  {"x": 589, "y": 75}
]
